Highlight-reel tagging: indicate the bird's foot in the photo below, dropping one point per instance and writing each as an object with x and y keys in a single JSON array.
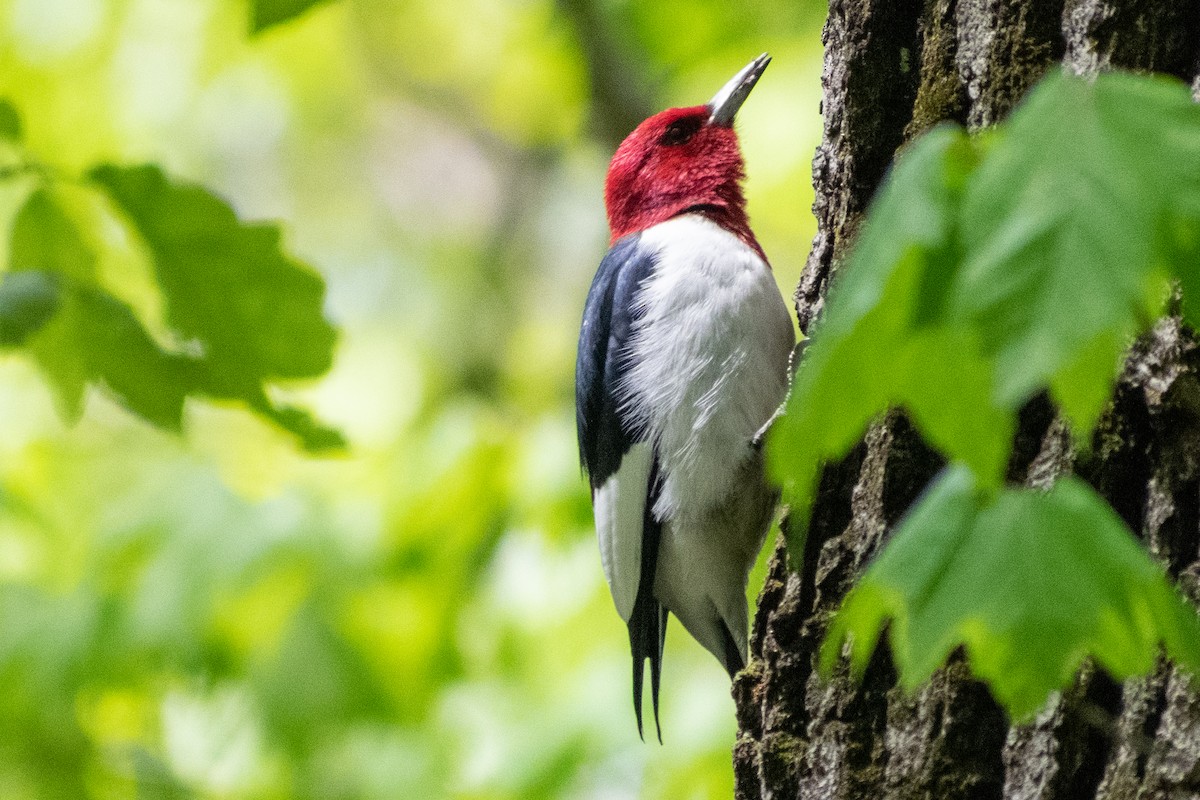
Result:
[{"x": 756, "y": 442}]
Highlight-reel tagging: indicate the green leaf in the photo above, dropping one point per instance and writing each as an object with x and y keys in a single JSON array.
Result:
[
  {"x": 267, "y": 13},
  {"x": 315, "y": 436},
  {"x": 10, "y": 123},
  {"x": 1030, "y": 583},
  {"x": 256, "y": 314},
  {"x": 1184, "y": 247},
  {"x": 89, "y": 336},
  {"x": 226, "y": 283},
  {"x": 886, "y": 340},
  {"x": 97, "y": 338},
  {"x": 1062, "y": 228},
  {"x": 988, "y": 271},
  {"x": 27, "y": 302},
  {"x": 44, "y": 237},
  {"x": 1082, "y": 386}
]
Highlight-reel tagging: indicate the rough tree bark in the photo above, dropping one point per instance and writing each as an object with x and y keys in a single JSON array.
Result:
[{"x": 892, "y": 69}]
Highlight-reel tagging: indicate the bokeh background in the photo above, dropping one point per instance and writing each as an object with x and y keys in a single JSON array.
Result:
[{"x": 220, "y": 615}]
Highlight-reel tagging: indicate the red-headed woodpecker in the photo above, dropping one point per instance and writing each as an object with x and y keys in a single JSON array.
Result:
[{"x": 683, "y": 358}]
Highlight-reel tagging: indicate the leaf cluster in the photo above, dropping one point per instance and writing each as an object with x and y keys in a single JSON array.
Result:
[
  {"x": 237, "y": 313},
  {"x": 1029, "y": 582},
  {"x": 990, "y": 269}
]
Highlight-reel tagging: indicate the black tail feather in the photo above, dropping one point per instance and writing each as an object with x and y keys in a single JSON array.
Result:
[
  {"x": 648, "y": 623},
  {"x": 733, "y": 654},
  {"x": 656, "y": 666},
  {"x": 647, "y": 628}
]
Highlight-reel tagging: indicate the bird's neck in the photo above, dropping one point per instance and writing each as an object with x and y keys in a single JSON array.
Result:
[
  {"x": 734, "y": 220},
  {"x": 727, "y": 210}
]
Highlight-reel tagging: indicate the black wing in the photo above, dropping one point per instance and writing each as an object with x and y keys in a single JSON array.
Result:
[
  {"x": 608, "y": 317},
  {"x": 605, "y": 436}
]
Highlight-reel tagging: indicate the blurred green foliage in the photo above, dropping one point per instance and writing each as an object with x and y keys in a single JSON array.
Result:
[
  {"x": 219, "y": 615},
  {"x": 248, "y": 314},
  {"x": 265, "y": 13}
]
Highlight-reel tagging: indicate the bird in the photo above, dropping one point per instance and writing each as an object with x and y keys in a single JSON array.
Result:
[{"x": 683, "y": 358}]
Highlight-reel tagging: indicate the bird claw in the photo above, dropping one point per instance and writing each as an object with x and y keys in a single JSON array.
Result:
[
  {"x": 756, "y": 442},
  {"x": 761, "y": 436}
]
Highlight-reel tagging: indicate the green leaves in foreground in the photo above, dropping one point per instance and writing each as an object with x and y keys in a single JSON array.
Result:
[
  {"x": 239, "y": 314},
  {"x": 1029, "y": 583},
  {"x": 990, "y": 269}
]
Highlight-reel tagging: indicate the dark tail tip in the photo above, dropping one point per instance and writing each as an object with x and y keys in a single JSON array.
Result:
[
  {"x": 733, "y": 654},
  {"x": 656, "y": 667},
  {"x": 647, "y": 633},
  {"x": 648, "y": 622},
  {"x": 639, "y": 669}
]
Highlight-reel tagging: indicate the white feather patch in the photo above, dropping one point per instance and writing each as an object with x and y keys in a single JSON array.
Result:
[
  {"x": 708, "y": 366},
  {"x": 620, "y": 507},
  {"x": 710, "y": 351}
]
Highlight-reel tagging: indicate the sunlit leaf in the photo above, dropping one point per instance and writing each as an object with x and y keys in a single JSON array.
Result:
[
  {"x": 266, "y": 13},
  {"x": 45, "y": 238},
  {"x": 96, "y": 336},
  {"x": 226, "y": 283},
  {"x": 1030, "y": 582},
  {"x": 255, "y": 313},
  {"x": 87, "y": 335}
]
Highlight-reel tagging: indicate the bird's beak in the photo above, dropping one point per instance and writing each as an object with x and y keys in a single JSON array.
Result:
[{"x": 726, "y": 103}]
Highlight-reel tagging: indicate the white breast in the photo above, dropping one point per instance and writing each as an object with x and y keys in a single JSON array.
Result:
[{"x": 710, "y": 351}]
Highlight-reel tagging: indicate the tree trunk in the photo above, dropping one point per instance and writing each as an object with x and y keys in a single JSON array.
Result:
[{"x": 892, "y": 69}]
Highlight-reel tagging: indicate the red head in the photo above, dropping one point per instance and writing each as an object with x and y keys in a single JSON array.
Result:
[{"x": 684, "y": 159}]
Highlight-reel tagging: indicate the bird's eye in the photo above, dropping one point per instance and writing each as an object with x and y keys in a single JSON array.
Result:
[{"x": 680, "y": 132}]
